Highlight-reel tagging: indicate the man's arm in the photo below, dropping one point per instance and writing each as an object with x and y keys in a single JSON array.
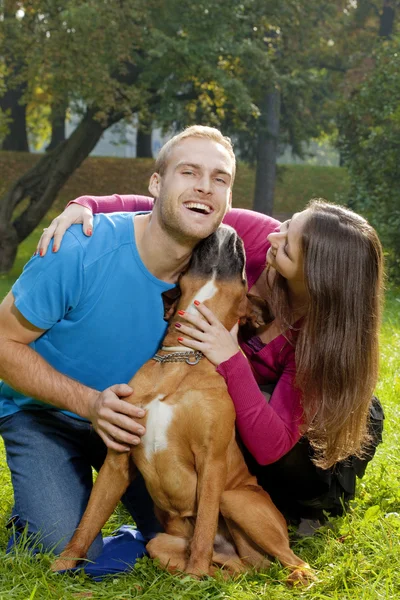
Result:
[{"x": 25, "y": 370}]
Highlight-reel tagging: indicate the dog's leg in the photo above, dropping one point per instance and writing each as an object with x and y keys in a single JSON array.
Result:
[
  {"x": 211, "y": 483},
  {"x": 113, "y": 479},
  {"x": 250, "y": 553},
  {"x": 255, "y": 514}
]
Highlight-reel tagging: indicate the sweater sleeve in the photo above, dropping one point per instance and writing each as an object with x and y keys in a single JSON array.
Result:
[
  {"x": 268, "y": 429},
  {"x": 115, "y": 203}
]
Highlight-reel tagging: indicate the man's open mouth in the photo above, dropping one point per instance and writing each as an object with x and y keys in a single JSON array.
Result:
[{"x": 198, "y": 207}]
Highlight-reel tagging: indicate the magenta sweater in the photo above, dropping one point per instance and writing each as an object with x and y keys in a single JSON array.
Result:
[{"x": 268, "y": 429}]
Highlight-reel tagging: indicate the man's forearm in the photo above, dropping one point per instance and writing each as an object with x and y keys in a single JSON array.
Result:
[{"x": 26, "y": 371}]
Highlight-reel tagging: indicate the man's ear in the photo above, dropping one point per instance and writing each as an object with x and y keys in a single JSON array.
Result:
[
  {"x": 230, "y": 201},
  {"x": 155, "y": 185}
]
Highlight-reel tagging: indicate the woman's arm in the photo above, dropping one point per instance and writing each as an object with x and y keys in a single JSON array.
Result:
[
  {"x": 81, "y": 210},
  {"x": 268, "y": 429},
  {"x": 115, "y": 203}
]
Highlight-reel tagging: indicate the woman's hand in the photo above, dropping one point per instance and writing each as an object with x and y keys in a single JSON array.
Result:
[
  {"x": 74, "y": 213},
  {"x": 208, "y": 335}
]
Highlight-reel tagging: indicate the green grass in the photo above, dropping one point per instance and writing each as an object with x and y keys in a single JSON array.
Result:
[{"x": 355, "y": 558}]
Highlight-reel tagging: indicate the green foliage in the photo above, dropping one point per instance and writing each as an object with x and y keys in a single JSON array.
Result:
[
  {"x": 203, "y": 62},
  {"x": 370, "y": 142}
]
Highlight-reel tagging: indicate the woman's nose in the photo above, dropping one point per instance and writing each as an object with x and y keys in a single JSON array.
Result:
[{"x": 274, "y": 238}]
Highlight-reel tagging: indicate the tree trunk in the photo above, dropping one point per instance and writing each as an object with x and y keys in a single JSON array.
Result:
[
  {"x": 267, "y": 153},
  {"x": 386, "y": 19},
  {"x": 42, "y": 183},
  {"x": 143, "y": 140},
  {"x": 16, "y": 139},
  {"x": 58, "y": 114}
]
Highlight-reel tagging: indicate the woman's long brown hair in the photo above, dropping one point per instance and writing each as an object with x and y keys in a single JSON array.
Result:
[{"x": 337, "y": 344}]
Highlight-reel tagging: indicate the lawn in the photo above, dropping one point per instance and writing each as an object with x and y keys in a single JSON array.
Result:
[{"x": 356, "y": 557}]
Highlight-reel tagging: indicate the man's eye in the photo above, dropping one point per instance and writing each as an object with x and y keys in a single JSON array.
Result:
[
  {"x": 187, "y": 172},
  {"x": 220, "y": 180}
]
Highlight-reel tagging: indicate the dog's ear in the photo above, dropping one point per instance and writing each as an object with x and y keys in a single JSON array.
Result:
[
  {"x": 258, "y": 314},
  {"x": 170, "y": 300}
]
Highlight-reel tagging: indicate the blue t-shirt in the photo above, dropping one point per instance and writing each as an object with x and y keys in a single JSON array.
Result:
[{"x": 101, "y": 308}]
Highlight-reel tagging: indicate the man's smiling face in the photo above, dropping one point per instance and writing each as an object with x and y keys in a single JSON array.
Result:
[{"x": 194, "y": 193}]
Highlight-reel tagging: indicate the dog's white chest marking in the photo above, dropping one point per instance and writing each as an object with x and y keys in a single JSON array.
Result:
[
  {"x": 159, "y": 417},
  {"x": 208, "y": 290}
]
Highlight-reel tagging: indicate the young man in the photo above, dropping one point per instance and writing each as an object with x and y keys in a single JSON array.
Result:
[{"x": 73, "y": 317}]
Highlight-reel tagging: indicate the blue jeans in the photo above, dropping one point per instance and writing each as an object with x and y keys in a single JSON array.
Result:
[{"x": 50, "y": 456}]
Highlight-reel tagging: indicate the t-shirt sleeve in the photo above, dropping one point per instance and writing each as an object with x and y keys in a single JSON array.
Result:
[
  {"x": 50, "y": 287},
  {"x": 115, "y": 203},
  {"x": 268, "y": 429}
]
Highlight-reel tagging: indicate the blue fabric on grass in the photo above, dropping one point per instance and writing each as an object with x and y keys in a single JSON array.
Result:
[{"x": 119, "y": 555}]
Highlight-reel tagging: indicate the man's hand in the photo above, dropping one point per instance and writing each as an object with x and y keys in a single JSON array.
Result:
[
  {"x": 74, "y": 213},
  {"x": 113, "y": 418}
]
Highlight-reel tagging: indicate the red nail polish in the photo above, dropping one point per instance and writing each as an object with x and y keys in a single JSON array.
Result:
[
  {"x": 41, "y": 252},
  {"x": 178, "y": 325},
  {"x": 181, "y": 312},
  {"x": 89, "y": 232},
  {"x": 196, "y": 302},
  {"x": 54, "y": 248},
  {"x": 180, "y": 339}
]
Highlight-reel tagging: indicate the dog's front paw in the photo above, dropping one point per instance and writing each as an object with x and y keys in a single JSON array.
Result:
[
  {"x": 198, "y": 570},
  {"x": 302, "y": 575}
]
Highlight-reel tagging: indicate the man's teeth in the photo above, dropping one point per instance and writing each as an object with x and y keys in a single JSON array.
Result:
[{"x": 198, "y": 206}]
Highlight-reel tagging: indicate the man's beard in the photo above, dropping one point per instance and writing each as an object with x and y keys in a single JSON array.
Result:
[{"x": 177, "y": 227}]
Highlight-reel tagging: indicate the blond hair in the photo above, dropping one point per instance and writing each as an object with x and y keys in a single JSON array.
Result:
[{"x": 195, "y": 131}]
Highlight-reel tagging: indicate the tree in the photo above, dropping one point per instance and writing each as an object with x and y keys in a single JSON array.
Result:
[
  {"x": 370, "y": 140},
  {"x": 107, "y": 57},
  {"x": 144, "y": 136},
  {"x": 172, "y": 63},
  {"x": 312, "y": 47},
  {"x": 106, "y": 79},
  {"x": 289, "y": 83},
  {"x": 12, "y": 101},
  {"x": 57, "y": 121}
]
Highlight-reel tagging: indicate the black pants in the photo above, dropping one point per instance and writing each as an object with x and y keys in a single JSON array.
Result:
[{"x": 301, "y": 490}]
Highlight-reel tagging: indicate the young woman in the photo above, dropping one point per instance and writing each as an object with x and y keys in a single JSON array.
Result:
[{"x": 321, "y": 273}]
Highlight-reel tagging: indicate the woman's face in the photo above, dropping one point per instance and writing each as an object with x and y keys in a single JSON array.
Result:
[{"x": 285, "y": 254}]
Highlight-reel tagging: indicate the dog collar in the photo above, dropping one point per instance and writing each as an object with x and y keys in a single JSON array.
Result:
[{"x": 191, "y": 357}]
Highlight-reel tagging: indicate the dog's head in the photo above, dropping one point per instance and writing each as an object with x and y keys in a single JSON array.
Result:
[{"x": 216, "y": 276}]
